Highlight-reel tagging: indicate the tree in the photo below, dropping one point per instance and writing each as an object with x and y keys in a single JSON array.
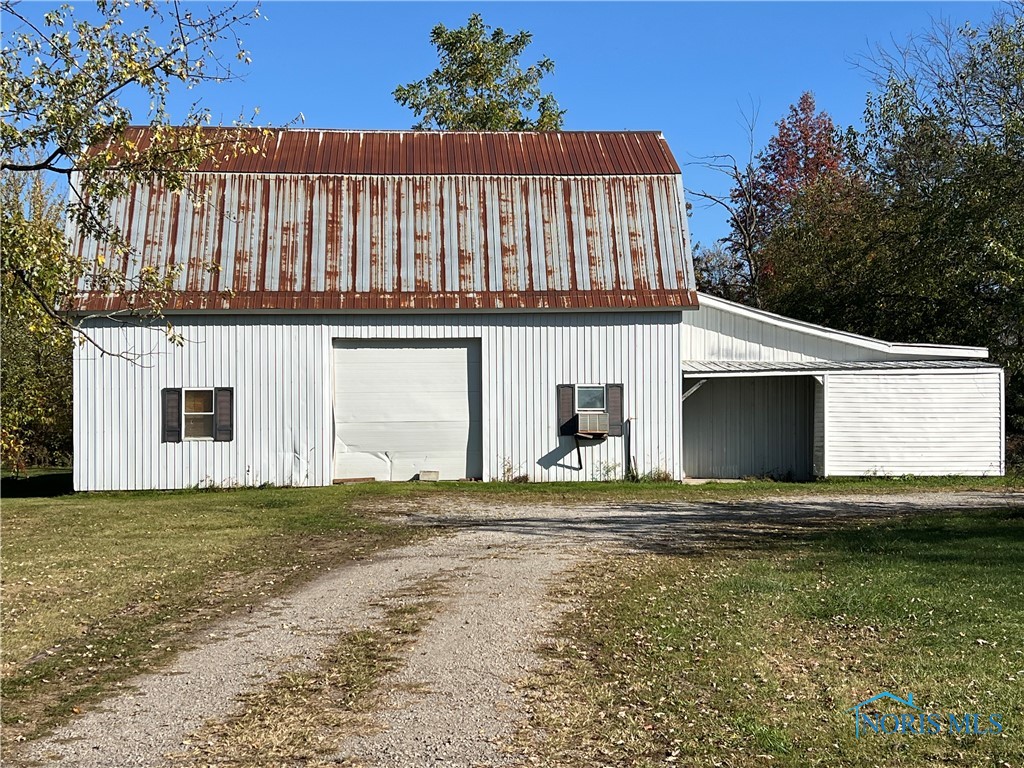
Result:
[
  {"x": 822, "y": 253},
  {"x": 65, "y": 85},
  {"x": 719, "y": 272},
  {"x": 922, "y": 239},
  {"x": 35, "y": 396},
  {"x": 480, "y": 86},
  {"x": 67, "y": 80},
  {"x": 731, "y": 268},
  {"x": 943, "y": 146},
  {"x": 805, "y": 149}
]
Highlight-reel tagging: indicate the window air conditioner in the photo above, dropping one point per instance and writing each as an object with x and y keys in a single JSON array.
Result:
[{"x": 592, "y": 424}]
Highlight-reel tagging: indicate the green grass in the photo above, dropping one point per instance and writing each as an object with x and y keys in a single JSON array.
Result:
[
  {"x": 753, "y": 658},
  {"x": 749, "y": 489},
  {"x": 98, "y": 587}
]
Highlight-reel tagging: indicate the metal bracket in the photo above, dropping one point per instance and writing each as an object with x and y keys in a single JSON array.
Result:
[{"x": 694, "y": 388}]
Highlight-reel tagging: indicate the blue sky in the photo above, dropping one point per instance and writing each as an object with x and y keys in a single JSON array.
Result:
[{"x": 691, "y": 70}]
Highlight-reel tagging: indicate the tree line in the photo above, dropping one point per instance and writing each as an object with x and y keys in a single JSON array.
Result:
[{"x": 909, "y": 228}]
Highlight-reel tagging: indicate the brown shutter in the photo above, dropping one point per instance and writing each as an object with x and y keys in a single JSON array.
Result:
[
  {"x": 223, "y": 414},
  {"x": 566, "y": 409},
  {"x": 170, "y": 415},
  {"x": 613, "y": 399}
]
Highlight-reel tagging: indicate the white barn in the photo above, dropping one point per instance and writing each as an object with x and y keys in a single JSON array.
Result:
[{"x": 395, "y": 305}]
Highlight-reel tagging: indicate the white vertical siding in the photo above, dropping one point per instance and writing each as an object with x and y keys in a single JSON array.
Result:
[
  {"x": 716, "y": 333},
  {"x": 947, "y": 423},
  {"x": 280, "y": 368},
  {"x": 712, "y": 333},
  {"x": 740, "y": 427}
]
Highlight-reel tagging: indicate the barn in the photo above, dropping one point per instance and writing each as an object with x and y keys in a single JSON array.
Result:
[{"x": 416, "y": 305}]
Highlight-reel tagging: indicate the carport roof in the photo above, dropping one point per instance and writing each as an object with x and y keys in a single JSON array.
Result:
[{"x": 707, "y": 369}]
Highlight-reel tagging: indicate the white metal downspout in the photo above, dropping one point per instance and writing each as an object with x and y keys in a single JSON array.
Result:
[{"x": 627, "y": 445}]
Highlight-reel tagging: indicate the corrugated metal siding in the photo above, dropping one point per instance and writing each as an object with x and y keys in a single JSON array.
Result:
[
  {"x": 715, "y": 334},
  {"x": 918, "y": 424},
  {"x": 749, "y": 427},
  {"x": 280, "y": 368},
  {"x": 407, "y": 242},
  {"x": 564, "y": 153}
]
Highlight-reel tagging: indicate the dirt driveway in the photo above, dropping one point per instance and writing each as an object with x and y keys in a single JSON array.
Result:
[{"x": 453, "y": 702}]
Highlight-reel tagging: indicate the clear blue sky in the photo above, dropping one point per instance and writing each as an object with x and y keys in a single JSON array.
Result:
[{"x": 690, "y": 70}]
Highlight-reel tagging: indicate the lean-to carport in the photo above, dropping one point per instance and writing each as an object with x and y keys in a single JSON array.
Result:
[{"x": 797, "y": 419}]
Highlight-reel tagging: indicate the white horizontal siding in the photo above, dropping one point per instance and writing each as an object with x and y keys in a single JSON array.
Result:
[
  {"x": 946, "y": 423},
  {"x": 280, "y": 368}
]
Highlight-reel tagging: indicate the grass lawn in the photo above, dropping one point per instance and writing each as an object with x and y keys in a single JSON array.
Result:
[
  {"x": 98, "y": 587},
  {"x": 753, "y": 656}
]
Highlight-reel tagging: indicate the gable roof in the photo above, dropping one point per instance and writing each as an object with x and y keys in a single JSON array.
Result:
[{"x": 338, "y": 220}]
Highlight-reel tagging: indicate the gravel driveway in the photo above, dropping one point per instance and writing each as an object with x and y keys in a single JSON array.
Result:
[{"x": 454, "y": 701}]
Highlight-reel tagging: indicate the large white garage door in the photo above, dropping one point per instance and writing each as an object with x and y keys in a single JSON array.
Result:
[{"x": 402, "y": 407}]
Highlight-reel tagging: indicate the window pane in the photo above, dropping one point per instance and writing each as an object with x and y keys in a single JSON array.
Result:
[
  {"x": 199, "y": 426},
  {"x": 198, "y": 401},
  {"x": 590, "y": 398}
]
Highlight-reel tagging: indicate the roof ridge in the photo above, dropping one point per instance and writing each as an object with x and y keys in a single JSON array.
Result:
[
  {"x": 411, "y": 153},
  {"x": 282, "y": 129}
]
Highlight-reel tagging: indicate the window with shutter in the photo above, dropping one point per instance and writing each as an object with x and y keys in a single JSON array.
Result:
[
  {"x": 197, "y": 414},
  {"x": 590, "y": 409}
]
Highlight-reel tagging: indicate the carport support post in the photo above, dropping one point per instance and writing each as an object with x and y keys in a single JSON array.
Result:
[{"x": 824, "y": 425}]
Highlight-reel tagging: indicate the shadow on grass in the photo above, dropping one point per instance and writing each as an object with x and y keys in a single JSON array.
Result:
[
  {"x": 896, "y": 527},
  {"x": 44, "y": 484}
]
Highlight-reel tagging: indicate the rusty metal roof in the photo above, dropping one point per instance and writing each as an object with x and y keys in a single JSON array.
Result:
[
  {"x": 300, "y": 232},
  {"x": 447, "y": 153}
]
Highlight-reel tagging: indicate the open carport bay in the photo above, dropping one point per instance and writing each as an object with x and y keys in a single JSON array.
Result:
[
  {"x": 749, "y": 427},
  {"x": 802, "y": 419}
]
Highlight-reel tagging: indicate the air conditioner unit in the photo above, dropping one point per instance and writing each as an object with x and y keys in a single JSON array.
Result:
[{"x": 592, "y": 424}]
